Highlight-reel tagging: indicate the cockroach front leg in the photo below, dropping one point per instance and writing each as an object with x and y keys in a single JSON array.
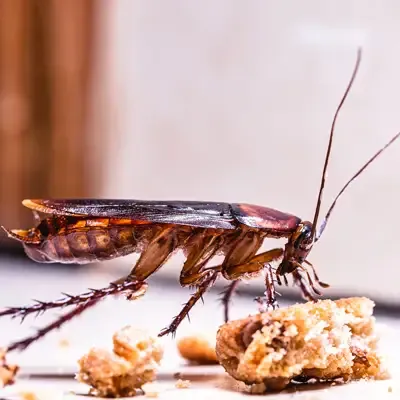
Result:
[
  {"x": 305, "y": 290},
  {"x": 269, "y": 301},
  {"x": 256, "y": 264}
]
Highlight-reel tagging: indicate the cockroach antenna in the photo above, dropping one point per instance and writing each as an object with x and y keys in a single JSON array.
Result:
[
  {"x": 328, "y": 151},
  {"x": 316, "y": 235}
]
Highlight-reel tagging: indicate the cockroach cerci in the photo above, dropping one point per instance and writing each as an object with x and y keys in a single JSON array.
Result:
[{"x": 90, "y": 230}]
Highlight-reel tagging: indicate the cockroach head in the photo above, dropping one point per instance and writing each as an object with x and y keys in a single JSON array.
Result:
[
  {"x": 297, "y": 248},
  {"x": 32, "y": 240}
]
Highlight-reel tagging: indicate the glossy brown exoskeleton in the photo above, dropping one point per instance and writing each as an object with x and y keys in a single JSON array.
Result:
[{"x": 89, "y": 230}]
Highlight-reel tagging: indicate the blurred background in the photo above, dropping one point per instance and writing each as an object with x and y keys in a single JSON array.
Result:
[{"x": 218, "y": 101}]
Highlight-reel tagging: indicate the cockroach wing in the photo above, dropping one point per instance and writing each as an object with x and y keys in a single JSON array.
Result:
[
  {"x": 265, "y": 218},
  {"x": 191, "y": 213}
]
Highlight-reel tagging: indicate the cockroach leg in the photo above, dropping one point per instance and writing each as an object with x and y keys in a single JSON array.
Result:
[
  {"x": 226, "y": 297},
  {"x": 310, "y": 281},
  {"x": 320, "y": 283},
  {"x": 254, "y": 265},
  {"x": 25, "y": 343},
  {"x": 269, "y": 300},
  {"x": 285, "y": 280},
  {"x": 270, "y": 293},
  {"x": 156, "y": 254},
  {"x": 193, "y": 271},
  {"x": 132, "y": 289},
  {"x": 196, "y": 279},
  {"x": 203, "y": 247},
  {"x": 202, "y": 288},
  {"x": 299, "y": 280}
]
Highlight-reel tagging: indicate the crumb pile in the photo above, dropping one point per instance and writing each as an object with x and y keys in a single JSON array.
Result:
[
  {"x": 7, "y": 372},
  {"x": 324, "y": 340},
  {"x": 133, "y": 362},
  {"x": 198, "y": 349}
]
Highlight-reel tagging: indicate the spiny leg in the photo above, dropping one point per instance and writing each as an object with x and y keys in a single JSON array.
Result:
[
  {"x": 310, "y": 281},
  {"x": 254, "y": 265},
  {"x": 241, "y": 254},
  {"x": 240, "y": 260},
  {"x": 320, "y": 283},
  {"x": 270, "y": 292},
  {"x": 130, "y": 288},
  {"x": 300, "y": 281},
  {"x": 24, "y": 343},
  {"x": 202, "y": 247},
  {"x": 227, "y": 295},
  {"x": 156, "y": 254},
  {"x": 133, "y": 290},
  {"x": 202, "y": 288}
]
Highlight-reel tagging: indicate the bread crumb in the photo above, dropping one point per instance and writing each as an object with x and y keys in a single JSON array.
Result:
[
  {"x": 133, "y": 362},
  {"x": 7, "y": 371},
  {"x": 390, "y": 389},
  {"x": 64, "y": 343},
  {"x": 152, "y": 394},
  {"x": 324, "y": 340},
  {"x": 182, "y": 384},
  {"x": 198, "y": 349},
  {"x": 45, "y": 394},
  {"x": 29, "y": 396}
]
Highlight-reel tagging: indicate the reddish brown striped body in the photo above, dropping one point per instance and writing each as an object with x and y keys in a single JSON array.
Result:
[{"x": 81, "y": 241}]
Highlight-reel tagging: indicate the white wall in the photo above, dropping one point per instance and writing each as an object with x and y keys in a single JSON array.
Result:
[{"x": 233, "y": 101}]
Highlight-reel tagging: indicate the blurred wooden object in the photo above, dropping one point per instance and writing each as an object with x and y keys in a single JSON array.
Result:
[
  {"x": 45, "y": 72},
  {"x": 14, "y": 105}
]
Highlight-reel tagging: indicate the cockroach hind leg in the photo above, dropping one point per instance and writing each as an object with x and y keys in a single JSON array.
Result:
[{"x": 130, "y": 289}]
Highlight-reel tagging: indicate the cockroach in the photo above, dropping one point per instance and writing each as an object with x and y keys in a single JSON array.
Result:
[{"x": 90, "y": 230}]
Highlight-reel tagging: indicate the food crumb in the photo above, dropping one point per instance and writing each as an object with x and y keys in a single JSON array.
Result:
[
  {"x": 28, "y": 396},
  {"x": 64, "y": 343},
  {"x": 198, "y": 349},
  {"x": 124, "y": 371},
  {"x": 43, "y": 395},
  {"x": 152, "y": 394},
  {"x": 182, "y": 384},
  {"x": 7, "y": 371},
  {"x": 390, "y": 389},
  {"x": 324, "y": 340}
]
